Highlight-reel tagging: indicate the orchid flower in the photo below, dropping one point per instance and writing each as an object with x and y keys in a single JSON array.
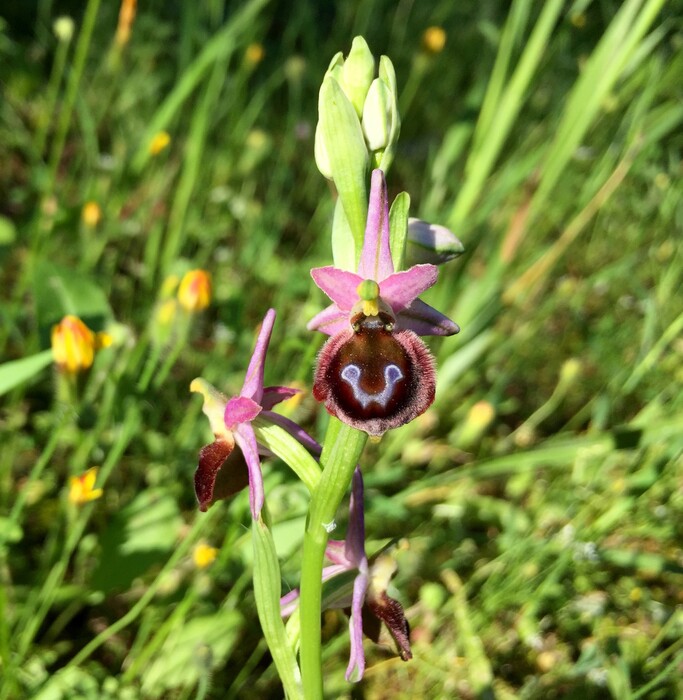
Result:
[
  {"x": 230, "y": 421},
  {"x": 370, "y": 605},
  {"x": 375, "y": 373}
]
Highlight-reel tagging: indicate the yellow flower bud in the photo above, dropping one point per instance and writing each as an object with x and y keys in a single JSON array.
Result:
[
  {"x": 194, "y": 293},
  {"x": 126, "y": 19},
  {"x": 81, "y": 487},
  {"x": 159, "y": 142},
  {"x": 73, "y": 345},
  {"x": 254, "y": 54},
  {"x": 204, "y": 555},
  {"x": 433, "y": 40},
  {"x": 91, "y": 215}
]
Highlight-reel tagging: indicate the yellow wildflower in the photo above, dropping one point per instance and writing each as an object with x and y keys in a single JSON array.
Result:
[
  {"x": 194, "y": 293},
  {"x": 159, "y": 142},
  {"x": 91, "y": 214},
  {"x": 81, "y": 487},
  {"x": 204, "y": 555},
  {"x": 254, "y": 53},
  {"x": 74, "y": 344},
  {"x": 433, "y": 40}
]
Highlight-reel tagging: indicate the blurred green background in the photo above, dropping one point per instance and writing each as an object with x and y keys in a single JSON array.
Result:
[{"x": 538, "y": 504}]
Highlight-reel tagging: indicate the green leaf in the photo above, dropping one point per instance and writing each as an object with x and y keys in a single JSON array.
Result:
[
  {"x": 17, "y": 372},
  {"x": 267, "y": 591},
  {"x": 139, "y": 536},
  {"x": 192, "y": 651},
  {"x": 59, "y": 291}
]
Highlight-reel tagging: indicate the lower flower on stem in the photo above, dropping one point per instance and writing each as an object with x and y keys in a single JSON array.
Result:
[{"x": 366, "y": 595}]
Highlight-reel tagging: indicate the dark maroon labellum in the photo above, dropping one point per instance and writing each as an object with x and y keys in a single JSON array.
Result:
[{"x": 373, "y": 377}]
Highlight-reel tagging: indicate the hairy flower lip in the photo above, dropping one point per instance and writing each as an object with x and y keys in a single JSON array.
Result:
[{"x": 420, "y": 391}]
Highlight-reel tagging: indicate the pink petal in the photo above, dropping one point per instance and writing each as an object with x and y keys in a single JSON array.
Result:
[
  {"x": 288, "y": 602},
  {"x": 426, "y": 320},
  {"x": 375, "y": 259},
  {"x": 329, "y": 321},
  {"x": 339, "y": 285},
  {"x": 356, "y": 667},
  {"x": 246, "y": 440},
  {"x": 400, "y": 289},
  {"x": 336, "y": 553},
  {"x": 253, "y": 382},
  {"x": 240, "y": 409},
  {"x": 272, "y": 395}
]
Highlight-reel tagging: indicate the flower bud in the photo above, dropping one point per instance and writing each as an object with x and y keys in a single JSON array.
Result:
[
  {"x": 433, "y": 40},
  {"x": 74, "y": 344},
  {"x": 357, "y": 72},
  {"x": 91, "y": 214},
  {"x": 322, "y": 159},
  {"x": 194, "y": 293},
  {"x": 254, "y": 54},
  {"x": 204, "y": 555},
  {"x": 159, "y": 142},
  {"x": 63, "y": 28},
  {"x": 377, "y": 115},
  {"x": 359, "y": 120},
  {"x": 431, "y": 243}
]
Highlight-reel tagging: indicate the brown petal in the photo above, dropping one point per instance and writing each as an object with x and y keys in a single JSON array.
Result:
[
  {"x": 390, "y": 612},
  {"x": 221, "y": 473}
]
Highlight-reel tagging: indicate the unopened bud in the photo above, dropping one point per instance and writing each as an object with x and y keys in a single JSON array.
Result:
[
  {"x": 194, "y": 293},
  {"x": 357, "y": 73},
  {"x": 63, "y": 28},
  {"x": 431, "y": 243},
  {"x": 377, "y": 115}
]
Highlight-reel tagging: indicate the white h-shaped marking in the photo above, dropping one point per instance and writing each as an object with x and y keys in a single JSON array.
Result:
[{"x": 392, "y": 376}]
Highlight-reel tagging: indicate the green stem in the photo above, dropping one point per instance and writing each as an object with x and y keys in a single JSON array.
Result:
[
  {"x": 341, "y": 452},
  {"x": 51, "y": 101},
  {"x": 76, "y": 72}
]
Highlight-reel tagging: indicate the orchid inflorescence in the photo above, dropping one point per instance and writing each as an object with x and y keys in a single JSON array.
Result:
[{"x": 373, "y": 374}]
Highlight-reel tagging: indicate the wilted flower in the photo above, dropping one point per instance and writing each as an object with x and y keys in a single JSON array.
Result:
[
  {"x": 222, "y": 470},
  {"x": 366, "y": 595},
  {"x": 204, "y": 555},
  {"x": 375, "y": 373},
  {"x": 433, "y": 40},
  {"x": 81, "y": 487},
  {"x": 159, "y": 141},
  {"x": 74, "y": 344},
  {"x": 91, "y": 214},
  {"x": 194, "y": 293}
]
